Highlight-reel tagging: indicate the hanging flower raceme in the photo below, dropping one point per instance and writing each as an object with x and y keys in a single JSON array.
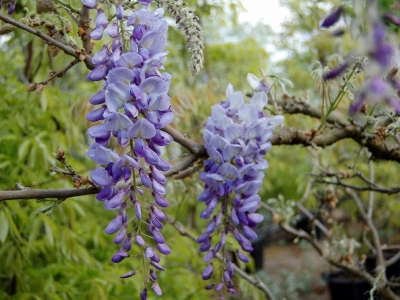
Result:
[
  {"x": 379, "y": 51},
  {"x": 236, "y": 138},
  {"x": 381, "y": 87},
  {"x": 133, "y": 107}
]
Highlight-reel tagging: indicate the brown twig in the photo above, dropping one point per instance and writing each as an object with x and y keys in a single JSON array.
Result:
[
  {"x": 374, "y": 231},
  {"x": 60, "y": 73},
  {"x": 78, "y": 179},
  {"x": 51, "y": 41},
  {"x": 338, "y": 180}
]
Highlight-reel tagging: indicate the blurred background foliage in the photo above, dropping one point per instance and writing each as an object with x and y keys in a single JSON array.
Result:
[{"x": 66, "y": 254}]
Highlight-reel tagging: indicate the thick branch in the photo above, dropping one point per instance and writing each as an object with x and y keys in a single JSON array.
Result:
[
  {"x": 29, "y": 193},
  {"x": 66, "y": 48},
  {"x": 181, "y": 139},
  {"x": 294, "y": 106},
  {"x": 294, "y": 136},
  {"x": 84, "y": 25}
]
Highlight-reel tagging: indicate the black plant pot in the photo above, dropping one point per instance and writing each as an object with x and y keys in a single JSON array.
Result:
[
  {"x": 258, "y": 254},
  {"x": 258, "y": 245},
  {"x": 343, "y": 287},
  {"x": 393, "y": 271}
]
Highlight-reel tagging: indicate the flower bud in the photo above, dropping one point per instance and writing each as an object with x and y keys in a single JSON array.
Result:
[
  {"x": 40, "y": 88},
  {"x": 219, "y": 287},
  {"x": 207, "y": 273},
  {"x": 31, "y": 87},
  {"x": 157, "y": 235},
  {"x": 153, "y": 275},
  {"x": 129, "y": 274},
  {"x": 157, "y": 266},
  {"x": 68, "y": 27},
  {"x": 139, "y": 240},
  {"x": 143, "y": 294},
  {"x": 333, "y": 17},
  {"x": 157, "y": 289},
  {"x": 149, "y": 252},
  {"x": 164, "y": 249}
]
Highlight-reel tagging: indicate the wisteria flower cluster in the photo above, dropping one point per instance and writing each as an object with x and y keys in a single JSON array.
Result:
[
  {"x": 378, "y": 88},
  {"x": 134, "y": 107},
  {"x": 236, "y": 138},
  {"x": 379, "y": 53}
]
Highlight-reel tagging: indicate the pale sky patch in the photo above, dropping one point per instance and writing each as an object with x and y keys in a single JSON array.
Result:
[{"x": 269, "y": 12}]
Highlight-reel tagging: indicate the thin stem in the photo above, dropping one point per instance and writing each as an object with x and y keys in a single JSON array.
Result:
[
  {"x": 224, "y": 205},
  {"x": 60, "y": 73},
  {"x": 374, "y": 231},
  {"x": 323, "y": 100},
  {"x": 124, "y": 42},
  {"x": 371, "y": 193},
  {"x": 139, "y": 227},
  {"x": 69, "y": 6},
  {"x": 336, "y": 101}
]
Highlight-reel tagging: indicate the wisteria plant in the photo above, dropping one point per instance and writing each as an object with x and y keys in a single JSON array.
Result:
[{"x": 123, "y": 48}]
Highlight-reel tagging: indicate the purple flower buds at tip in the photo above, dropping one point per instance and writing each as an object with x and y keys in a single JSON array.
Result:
[
  {"x": 332, "y": 18},
  {"x": 129, "y": 274},
  {"x": 143, "y": 294}
]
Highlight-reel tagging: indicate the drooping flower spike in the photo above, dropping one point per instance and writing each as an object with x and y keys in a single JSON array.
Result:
[
  {"x": 236, "y": 138},
  {"x": 134, "y": 107}
]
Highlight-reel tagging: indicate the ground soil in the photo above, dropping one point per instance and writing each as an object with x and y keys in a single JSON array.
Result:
[{"x": 297, "y": 267}]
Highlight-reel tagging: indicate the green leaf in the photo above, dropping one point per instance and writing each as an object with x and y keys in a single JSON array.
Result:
[
  {"x": 18, "y": 210},
  {"x": 4, "y": 164},
  {"x": 12, "y": 224},
  {"x": 49, "y": 232},
  {"x": 43, "y": 100},
  {"x": 3, "y": 227},
  {"x": 23, "y": 150}
]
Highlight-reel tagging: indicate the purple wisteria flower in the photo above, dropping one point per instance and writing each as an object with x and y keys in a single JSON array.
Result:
[
  {"x": 236, "y": 138},
  {"x": 11, "y": 6},
  {"x": 333, "y": 17},
  {"x": 380, "y": 87},
  {"x": 134, "y": 107}
]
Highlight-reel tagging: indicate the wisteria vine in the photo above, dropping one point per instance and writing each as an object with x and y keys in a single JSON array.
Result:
[
  {"x": 236, "y": 138},
  {"x": 135, "y": 107}
]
